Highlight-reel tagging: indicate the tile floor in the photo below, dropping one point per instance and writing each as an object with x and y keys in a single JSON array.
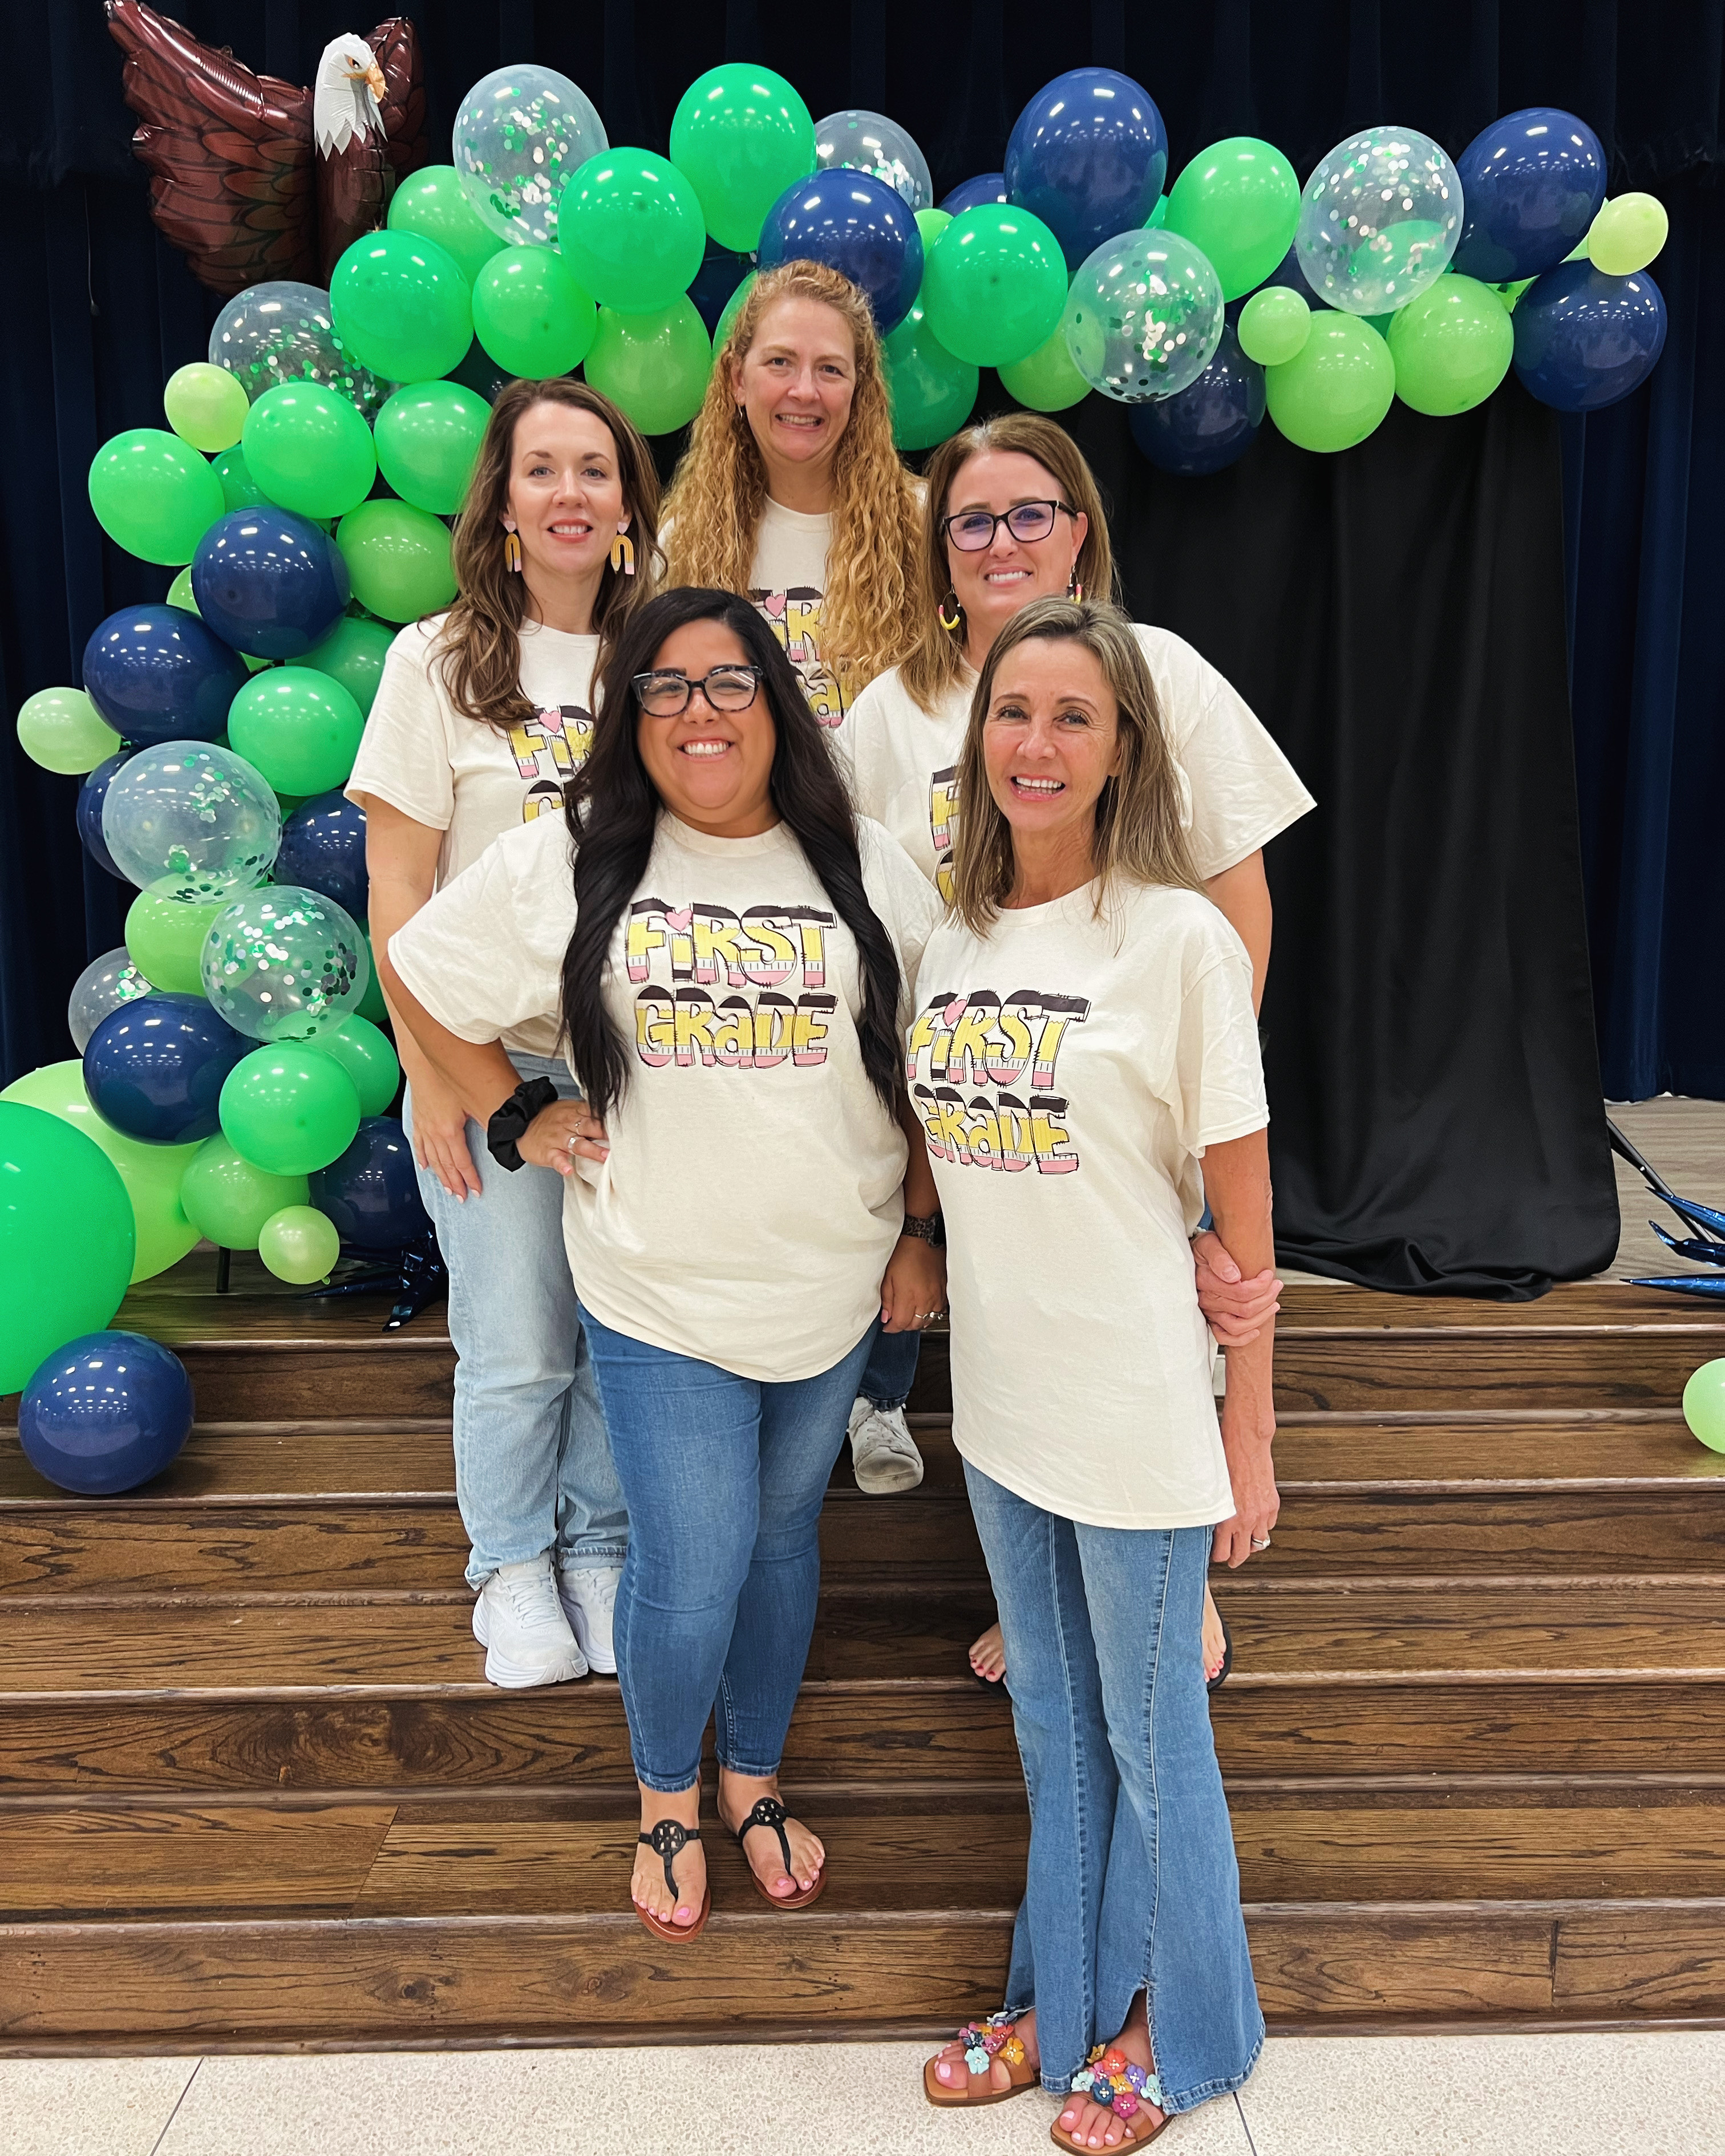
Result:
[{"x": 1658, "y": 2094}]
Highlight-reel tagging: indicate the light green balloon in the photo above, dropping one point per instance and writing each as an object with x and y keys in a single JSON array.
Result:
[
  {"x": 1336, "y": 388},
  {"x": 653, "y": 366},
  {"x": 364, "y": 1052},
  {"x": 402, "y": 307},
  {"x": 371, "y": 1005},
  {"x": 66, "y": 1239},
  {"x": 994, "y": 284},
  {"x": 1047, "y": 381},
  {"x": 154, "y": 495},
  {"x": 161, "y": 1232},
  {"x": 353, "y": 653},
  {"x": 742, "y": 135},
  {"x": 1627, "y": 234},
  {"x": 1238, "y": 203},
  {"x": 309, "y": 450},
  {"x": 1452, "y": 345},
  {"x": 299, "y": 726},
  {"x": 165, "y": 937},
  {"x": 62, "y": 730},
  {"x": 733, "y": 307},
  {"x": 1509, "y": 293},
  {"x": 227, "y": 1200},
  {"x": 932, "y": 223},
  {"x": 288, "y": 1109},
  {"x": 239, "y": 490},
  {"x": 206, "y": 406},
  {"x": 299, "y": 1243},
  {"x": 428, "y": 435},
  {"x": 1704, "y": 1404},
  {"x": 531, "y": 315},
  {"x": 630, "y": 228},
  {"x": 1274, "y": 325},
  {"x": 433, "y": 202},
  {"x": 931, "y": 393},
  {"x": 398, "y": 559}
]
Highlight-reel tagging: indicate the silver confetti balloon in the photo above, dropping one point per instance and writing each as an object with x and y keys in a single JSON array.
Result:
[
  {"x": 282, "y": 332},
  {"x": 191, "y": 821},
  {"x": 1379, "y": 219},
  {"x": 102, "y": 987},
  {"x": 285, "y": 963},
  {"x": 519, "y": 135},
  {"x": 870, "y": 142},
  {"x": 1144, "y": 316}
]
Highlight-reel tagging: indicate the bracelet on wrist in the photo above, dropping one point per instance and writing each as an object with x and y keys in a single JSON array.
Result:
[
  {"x": 508, "y": 1125},
  {"x": 930, "y": 1229}
]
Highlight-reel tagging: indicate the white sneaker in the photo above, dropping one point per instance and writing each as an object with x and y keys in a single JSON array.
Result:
[
  {"x": 589, "y": 1594},
  {"x": 520, "y": 1623},
  {"x": 882, "y": 1451}
]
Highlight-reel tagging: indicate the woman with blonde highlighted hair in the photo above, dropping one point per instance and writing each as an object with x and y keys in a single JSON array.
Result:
[{"x": 792, "y": 494}]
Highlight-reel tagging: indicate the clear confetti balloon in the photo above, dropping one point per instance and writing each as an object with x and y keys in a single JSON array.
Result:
[
  {"x": 870, "y": 142},
  {"x": 191, "y": 821},
  {"x": 1144, "y": 316},
  {"x": 282, "y": 332},
  {"x": 102, "y": 987},
  {"x": 519, "y": 135},
  {"x": 285, "y": 963},
  {"x": 1379, "y": 219}
]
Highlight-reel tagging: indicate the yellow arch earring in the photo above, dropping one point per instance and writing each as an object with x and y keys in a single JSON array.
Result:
[
  {"x": 623, "y": 554},
  {"x": 512, "y": 549},
  {"x": 957, "y": 622}
]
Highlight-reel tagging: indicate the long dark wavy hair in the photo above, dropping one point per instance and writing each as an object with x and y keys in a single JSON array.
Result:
[{"x": 613, "y": 808}]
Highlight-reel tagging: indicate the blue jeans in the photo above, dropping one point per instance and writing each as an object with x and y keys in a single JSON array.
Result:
[
  {"x": 891, "y": 1369},
  {"x": 1132, "y": 1884},
  {"x": 533, "y": 1468},
  {"x": 725, "y": 1478}
]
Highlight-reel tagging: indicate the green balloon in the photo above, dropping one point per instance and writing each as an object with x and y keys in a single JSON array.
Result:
[
  {"x": 433, "y": 202},
  {"x": 994, "y": 284},
  {"x": 932, "y": 394},
  {"x": 353, "y": 653},
  {"x": 397, "y": 558},
  {"x": 742, "y": 135},
  {"x": 206, "y": 406},
  {"x": 653, "y": 367},
  {"x": 629, "y": 227},
  {"x": 1452, "y": 345},
  {"x": 531, "y": 315},
  {"x": 1704, "y": 1404},
  {"x": 428, "y": 435},
  {"x": 371, "y": 1006},
  {"x": 1047, "y": 381},
  {"x": 1509, "y": 293},
  {"x": 154, "y": 495},
  {"x": 364, "y": 1052},
  {"x": 227, "y": 1200},
  {"x": 239, "y": 490},
  {"x": 1336, "y": 388},
  {"x": 1274, "y": 324},
  {"x": 1238, "y": 203},
  {"x": 66, "y": 1239},
  {"x": 63, "y": 731},
  {"x": 309, "y": 449},
  {"x": 152, "y": 1173},
  {"x": 733, "y": 307},
  {"x": 1627, "y": 234},
  {"x": 299, "y": 1243},
  {"x": 288, "y": 1109},
  {"x": 165, "y": 937},
  {"x": 932, "y": 223},
  {"x": 400, "y": 306},
  {"x": 299, "y": 726},
  {"x": 1157, "y": 217}
]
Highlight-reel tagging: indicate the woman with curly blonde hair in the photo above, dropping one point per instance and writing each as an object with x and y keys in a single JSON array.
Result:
[{"x": 792, "y": 494}]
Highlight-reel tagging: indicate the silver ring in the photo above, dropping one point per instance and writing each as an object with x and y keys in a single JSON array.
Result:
[{"x": 1256, "y": 1544}]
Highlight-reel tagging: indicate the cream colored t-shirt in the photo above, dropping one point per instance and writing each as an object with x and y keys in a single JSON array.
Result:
[
  {"x": 904, "y": 762},
  {"x": 752, "y": 1195},
  {"x": 1069, "y": 1073},
  {"x": 787, "y": 582}
]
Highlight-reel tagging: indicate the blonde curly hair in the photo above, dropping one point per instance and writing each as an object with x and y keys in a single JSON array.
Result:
[{"x": 719, "y": 489}]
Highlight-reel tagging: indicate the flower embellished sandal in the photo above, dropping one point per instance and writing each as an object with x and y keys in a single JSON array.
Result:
[
  {"x": 983, "y": 2042},
  {"x": 666, "y": 1841},
  {"x": 1111, "y": 2079},
  {"x": 768, "y": 1811}
]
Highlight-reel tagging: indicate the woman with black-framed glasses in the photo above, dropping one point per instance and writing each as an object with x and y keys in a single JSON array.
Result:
[{"x": 727, "y": 950}]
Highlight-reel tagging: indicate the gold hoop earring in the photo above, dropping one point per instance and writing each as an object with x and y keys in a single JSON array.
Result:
[
  {"x": 512, "y": 550},
  {"x": 623, "y": 554},
  {"x": 957, "y": 622}
]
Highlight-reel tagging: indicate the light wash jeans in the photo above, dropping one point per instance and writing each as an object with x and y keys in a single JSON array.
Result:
[
  {"x": 725, "y": 1477},
  {"x": 1133, "y": 1885},
  {"x": 533, "y": 1465}
]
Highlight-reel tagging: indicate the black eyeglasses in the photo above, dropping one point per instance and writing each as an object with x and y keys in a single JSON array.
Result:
[
  {"x": 726, "y": 687},
  {"x": 971, "y": 530}
]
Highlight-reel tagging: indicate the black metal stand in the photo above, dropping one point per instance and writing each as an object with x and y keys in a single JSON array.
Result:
[
  {"x": 416, "y": 1275},
  {"x": 224, "y": 1266}
]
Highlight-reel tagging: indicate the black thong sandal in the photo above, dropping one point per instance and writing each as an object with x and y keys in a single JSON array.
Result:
[
  {"x": 768, "y": 1811},
  {"x": 1214, "y": 1683},
  {"x": 667, "y": 1840}
]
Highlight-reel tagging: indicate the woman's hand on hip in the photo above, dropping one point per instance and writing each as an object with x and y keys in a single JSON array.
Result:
[
  {"x": 559, "y": 1136},
  {"x": 440, "y": 1133},
  {"x": 1246, "y": 1435},
  {"x": 915, "y": 1287}
]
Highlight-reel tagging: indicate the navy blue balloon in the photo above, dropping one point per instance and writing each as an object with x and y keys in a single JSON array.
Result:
[
  {"x": 718, "y": 277},
  {"x": 1583, "y": 340},
  {"x": 154, "y": 1068},
  {"x": 1531, "y": 186},
  {"x": 372, "y": 1193},
  {"x": 1088, "y": 156},
  {"x": 105, "y": 1413},
  {"x": 857, "y": 225},
  {"x": 158, "y": 674},
  {"x": 1207, "y": 426},
  {"x": 985, "y": 187},
  {"x": 90, "y": 796},
  {"x": 269, "y": 582},
  {"x": 323, "y": 848}
]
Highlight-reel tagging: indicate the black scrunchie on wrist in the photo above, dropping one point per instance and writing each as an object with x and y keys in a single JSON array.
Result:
[{"x": 508, "y": 1126}]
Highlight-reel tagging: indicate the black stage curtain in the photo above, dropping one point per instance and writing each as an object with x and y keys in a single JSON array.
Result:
[{"x": 1395, "y": 614}]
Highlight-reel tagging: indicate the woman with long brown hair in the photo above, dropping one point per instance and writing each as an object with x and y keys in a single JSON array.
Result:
[
  {"x": 482, "y": 716},
  {"x": 792, "y": 494}
]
